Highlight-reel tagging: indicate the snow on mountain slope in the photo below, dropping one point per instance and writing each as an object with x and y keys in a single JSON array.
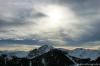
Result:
[
  {"x": 85, "y": 53},
  {"x": 36, "y": 52},
  {"x": 45, "y": 48}
]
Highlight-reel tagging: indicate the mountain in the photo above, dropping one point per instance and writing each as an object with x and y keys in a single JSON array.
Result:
[
  {"x": 85, "y": 53},
  {"x": 19, "y": 54},
  {"x": 54, "y": 57},
  {"x": 37, "y": 52},
  {"x": 78, "y": 53},
  {"x": 47, "y": 55},
  {"x": 29, "y": 54}
]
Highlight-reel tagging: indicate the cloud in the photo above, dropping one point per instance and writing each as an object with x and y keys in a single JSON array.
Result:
[
  {"x": 16, "y": 16},
  {"x": 24, "y": 19},
  {"x": 86, "y": 29}
]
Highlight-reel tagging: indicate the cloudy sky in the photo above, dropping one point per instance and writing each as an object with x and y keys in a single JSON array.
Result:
[{"x": 26, "y": 24}]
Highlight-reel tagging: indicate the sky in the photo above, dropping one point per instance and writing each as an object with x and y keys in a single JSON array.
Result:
[{"x": 27, "y": 24}]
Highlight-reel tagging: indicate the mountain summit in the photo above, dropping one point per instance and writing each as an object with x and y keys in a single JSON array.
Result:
[{"x": 37, "y": 52}]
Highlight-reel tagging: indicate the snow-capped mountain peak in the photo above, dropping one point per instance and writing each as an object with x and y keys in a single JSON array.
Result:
[
  {"x": 37, "y": 52},
  {"x": 45, "y": 48},
  {"x": 85, "y": 53}
]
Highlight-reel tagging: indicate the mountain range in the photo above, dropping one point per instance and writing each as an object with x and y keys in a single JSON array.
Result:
[{"x": 48, "y": 55}]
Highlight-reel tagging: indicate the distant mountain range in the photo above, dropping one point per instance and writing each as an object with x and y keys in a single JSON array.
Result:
[
  {"x": 78, "y": 52},
  {"x": 47, "y": 53}
]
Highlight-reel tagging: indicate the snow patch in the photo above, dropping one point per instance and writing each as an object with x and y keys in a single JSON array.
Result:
[{"x": 85, "y": 53}]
